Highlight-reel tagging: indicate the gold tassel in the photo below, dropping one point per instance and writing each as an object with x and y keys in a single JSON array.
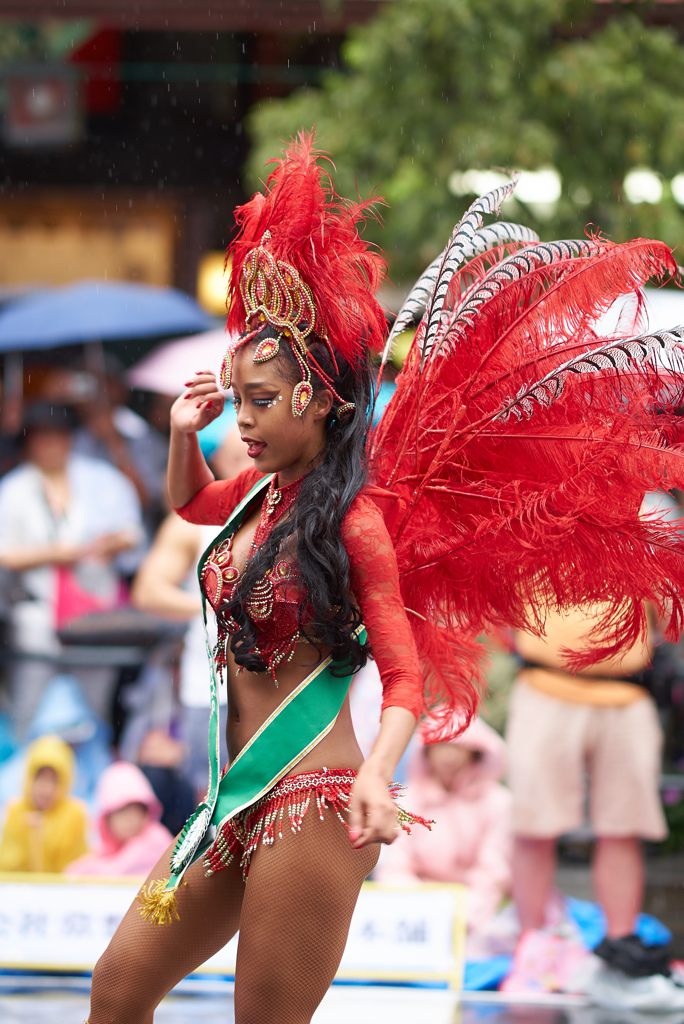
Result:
[{"x": 159, "y": 904}]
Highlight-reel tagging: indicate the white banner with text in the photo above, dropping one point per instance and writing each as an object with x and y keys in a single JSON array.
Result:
[{"x": 54, "y": 922}]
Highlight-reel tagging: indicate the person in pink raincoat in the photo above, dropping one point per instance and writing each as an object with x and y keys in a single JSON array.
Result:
[
  {"x": 457, "y": 784},
  {"x": 132, "y": 839}
]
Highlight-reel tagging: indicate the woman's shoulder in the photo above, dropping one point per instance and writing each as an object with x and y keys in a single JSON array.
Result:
[
  {"x": 242, "y": 484},
  {"x": 375, "y": 510},
  {"x": 229, "y": 493},
  {"x": 160, "y": 834},
  {"x": 380, "y": 505},
  {"x": 363, "y": 516},
  {"x": 493, "y": 805},
  {"x": 365, "y": 536},
  {"x": 91, "y": 471},
  {"x": 213, "y": 504},
  {"x": 97, "y": 484}
]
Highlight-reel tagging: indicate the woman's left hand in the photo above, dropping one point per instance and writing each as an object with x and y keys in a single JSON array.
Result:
[{"x": 373, "y": 813}]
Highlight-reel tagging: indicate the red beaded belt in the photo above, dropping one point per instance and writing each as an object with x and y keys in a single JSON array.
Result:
[{"x": 289, "y": 799}]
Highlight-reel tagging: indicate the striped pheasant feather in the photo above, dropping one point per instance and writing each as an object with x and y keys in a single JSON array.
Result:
[
  {"x": 461, "y": 238},
  {"x": 614, "y": 356},
  {"x": 484, "y": 238},
  {"x": 505, "y": 273}
]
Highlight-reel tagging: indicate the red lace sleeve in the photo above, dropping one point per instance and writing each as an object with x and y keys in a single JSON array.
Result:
[
  {"x": 212, "y": 505},
  {"x": 375, "y": 583}
]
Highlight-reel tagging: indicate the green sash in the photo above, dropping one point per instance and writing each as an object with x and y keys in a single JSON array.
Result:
[{"x": 296, "y": 726}]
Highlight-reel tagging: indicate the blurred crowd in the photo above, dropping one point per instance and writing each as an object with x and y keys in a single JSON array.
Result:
[
  {"x": 104, "y": 701},
  {"x": 100, "y": 625}
]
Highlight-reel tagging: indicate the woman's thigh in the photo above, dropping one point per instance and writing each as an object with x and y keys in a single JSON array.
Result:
[
  {"x": 144, "y": 960},
  {"x": 299, "y": 900}
]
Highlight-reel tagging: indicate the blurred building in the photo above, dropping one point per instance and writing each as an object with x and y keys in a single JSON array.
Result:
[{"x": 121, "y": 126}]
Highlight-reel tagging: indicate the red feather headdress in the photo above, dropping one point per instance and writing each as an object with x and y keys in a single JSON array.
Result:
[{"x": 300, "y": 266}]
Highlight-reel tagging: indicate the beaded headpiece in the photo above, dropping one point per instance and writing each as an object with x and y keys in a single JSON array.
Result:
[
  {"x": 300, "y": 267},
  {"x": 273, "y": 293}
]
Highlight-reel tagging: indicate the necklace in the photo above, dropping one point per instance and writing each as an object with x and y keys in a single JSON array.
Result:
[{"x": 280, "y": 498}]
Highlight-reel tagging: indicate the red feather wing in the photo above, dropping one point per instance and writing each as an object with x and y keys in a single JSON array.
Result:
[{"x": 509, "y": 515}]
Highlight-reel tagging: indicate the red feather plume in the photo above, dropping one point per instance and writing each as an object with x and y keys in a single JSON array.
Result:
[
  {"x": 317, "y": 232},
  {"x": 523, "y": 444}
]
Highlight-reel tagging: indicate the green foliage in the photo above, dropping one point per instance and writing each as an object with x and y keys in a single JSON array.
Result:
[
  {"x": 433, "y": 86},
  {"x": 42, "y": 40},
  {"x": 615, "y": 101}
]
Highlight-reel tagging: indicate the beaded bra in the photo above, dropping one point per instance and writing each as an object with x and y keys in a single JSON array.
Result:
[{"x": 274, "y": 603}]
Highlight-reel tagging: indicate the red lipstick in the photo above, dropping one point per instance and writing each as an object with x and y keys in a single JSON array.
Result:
[{"x": 255, "y": 448}]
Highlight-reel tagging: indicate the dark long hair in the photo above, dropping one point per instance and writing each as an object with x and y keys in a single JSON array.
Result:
[{"x": 314, "y": 523}]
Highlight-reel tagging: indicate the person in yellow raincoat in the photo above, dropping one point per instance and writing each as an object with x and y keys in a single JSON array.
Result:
[{"x": 46, "y": 828}]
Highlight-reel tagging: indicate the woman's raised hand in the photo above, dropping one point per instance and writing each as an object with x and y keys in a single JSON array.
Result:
[{"x": 201, "y": 403}]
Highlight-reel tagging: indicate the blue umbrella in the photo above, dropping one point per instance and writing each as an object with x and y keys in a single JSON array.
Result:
[{"x": 97, "y": 311}]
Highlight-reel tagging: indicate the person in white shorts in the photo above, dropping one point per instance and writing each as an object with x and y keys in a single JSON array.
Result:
[{"x": 562, "y": 728}]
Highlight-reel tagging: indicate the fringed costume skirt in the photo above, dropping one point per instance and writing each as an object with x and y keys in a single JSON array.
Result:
[{"x": 284, "y": 808}]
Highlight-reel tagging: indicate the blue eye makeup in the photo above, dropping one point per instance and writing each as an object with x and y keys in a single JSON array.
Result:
[{"x": 262, "y": 403}]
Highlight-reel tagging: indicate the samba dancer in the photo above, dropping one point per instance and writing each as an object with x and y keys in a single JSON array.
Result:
[{"x": 517, "y": 450}]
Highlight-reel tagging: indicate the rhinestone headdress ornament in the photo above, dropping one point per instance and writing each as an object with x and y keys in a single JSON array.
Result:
[
  {"x": 273, "y": 293},
  {"x": 300, "y": 266}
]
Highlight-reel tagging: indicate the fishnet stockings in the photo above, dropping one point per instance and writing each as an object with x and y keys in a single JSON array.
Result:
[
  {"x": 293, "y": 914},
  {"x": 299, "y": 900}
]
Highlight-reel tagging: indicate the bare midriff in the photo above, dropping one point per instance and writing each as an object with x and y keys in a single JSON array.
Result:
[{"x": 253, "y": 696}]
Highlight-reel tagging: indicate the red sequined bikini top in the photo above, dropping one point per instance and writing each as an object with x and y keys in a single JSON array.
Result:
[
  {"x": 373, "y": 575},
  {"x": 275, "y": 601}
]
